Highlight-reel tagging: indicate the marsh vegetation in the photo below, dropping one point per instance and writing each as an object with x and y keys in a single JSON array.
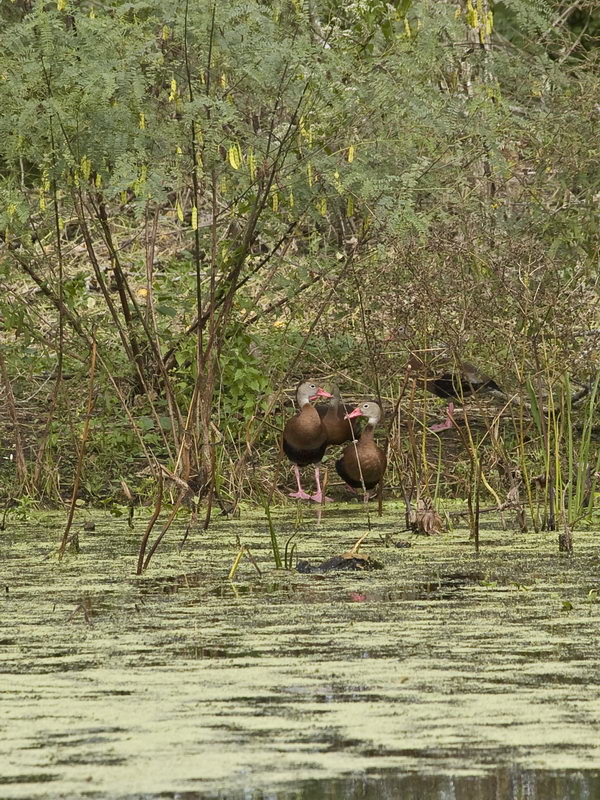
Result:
[{"x": 203, "y": 205}]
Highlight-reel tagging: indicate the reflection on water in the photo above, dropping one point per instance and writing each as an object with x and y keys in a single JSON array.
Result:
[{"x": 504, "y": 783}]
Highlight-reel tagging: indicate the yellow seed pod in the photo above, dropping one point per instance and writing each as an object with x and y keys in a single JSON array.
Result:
[
  {"x": 223, "y": 80},
  {"x": 142, "y": 120},
  {"x": 166, "y": 32},
  {"x": 472, "y": 16},
  {"x": 291, "y": 199},
  {"x": 173, "y": 92},
  {"x": 457, "y": 12},
  {"x": 60, "y": 5},
  {"x": 86, "y": 167},
  {"x": 76, "y": 178},
  {"x": 98, "y": 180},
  {"x": 351, "y": 153},
  {"x": 337, "y": 183},
  {"x": 179, "y": 210},
  {"x": 349, "y": 206},
  {"x": 45, "y": 181},
  {"x": 143, "y": 173},
  {"x": 309, "y": 174},
  {"x": 306, "y": 131},
  {"x": 407, "y": 30},
  {"x": 194, "y": 218},
  {"x": 489, "y": 23},
  {"x": 275, "y": 201},
  {"x": 61, "y": 224},
  {"x": 323, "y": 206},
  {"x": 123, "y": 197},
  {"x": 92, "y": 14},
  {"x": 178, "y": 151},
  {"x": 42, "y": 201},
  {"x": 233, "y": 156},
  {"x": 10, "y": 210}
]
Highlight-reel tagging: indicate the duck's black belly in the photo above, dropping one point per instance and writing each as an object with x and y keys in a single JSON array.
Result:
[{"x": 304, "y": 456}]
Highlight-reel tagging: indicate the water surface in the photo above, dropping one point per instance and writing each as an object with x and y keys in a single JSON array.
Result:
[{"x": 444, "y": 675}]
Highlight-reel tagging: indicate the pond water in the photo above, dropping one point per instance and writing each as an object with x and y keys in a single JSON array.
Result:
[{"x": 442, "y": 676}]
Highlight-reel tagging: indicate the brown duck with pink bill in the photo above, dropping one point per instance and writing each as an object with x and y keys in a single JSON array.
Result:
[
  {"x": 363, "y": 463},
  {"x": 305, "y": 438}
]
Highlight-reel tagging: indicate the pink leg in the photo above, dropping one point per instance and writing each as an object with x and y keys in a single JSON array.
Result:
[
  {"x": 319, "y": 497},
  {"x": 447, "y": 423},
  {"x": 300, "y": 494}
]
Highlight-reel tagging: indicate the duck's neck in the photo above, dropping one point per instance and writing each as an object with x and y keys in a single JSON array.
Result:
[
  {"x": 303, "y": 400},
  {"x": 367, "y": 435}
]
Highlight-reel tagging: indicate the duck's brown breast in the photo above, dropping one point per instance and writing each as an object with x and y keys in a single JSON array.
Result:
[
  {"x": 305, "y": 430},
  {"x": 372, "y": 462}
]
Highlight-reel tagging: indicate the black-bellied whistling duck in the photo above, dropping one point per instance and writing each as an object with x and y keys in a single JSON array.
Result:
[
  {"x": 305, "y": 438},
  {"x": 451, "y": 382},
  {"x": 362, "y": 462},
  {"x": 333, "y": 416}
]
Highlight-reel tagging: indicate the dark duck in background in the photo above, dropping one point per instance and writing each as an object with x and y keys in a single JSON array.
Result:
[{"x": 453, "y": 382}]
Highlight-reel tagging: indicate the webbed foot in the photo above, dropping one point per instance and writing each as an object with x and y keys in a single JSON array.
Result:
[{"x": 301, "y": 495}]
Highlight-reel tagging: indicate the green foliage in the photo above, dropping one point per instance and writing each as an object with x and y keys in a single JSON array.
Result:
[
  {"x": 281, "y": 162},
  {"x": 244, "y": 384}
]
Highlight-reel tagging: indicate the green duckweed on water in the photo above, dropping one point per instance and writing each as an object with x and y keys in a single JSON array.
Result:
[{"x": 443, "y": 675}]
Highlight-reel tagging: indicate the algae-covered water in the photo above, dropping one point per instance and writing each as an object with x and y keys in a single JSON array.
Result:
[{"x": 443, "y": 675}]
